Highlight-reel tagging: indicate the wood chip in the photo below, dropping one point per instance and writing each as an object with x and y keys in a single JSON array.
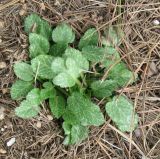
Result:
[
  {"x": 2, "y": 151},
  {"x": 3, "y": 65}
]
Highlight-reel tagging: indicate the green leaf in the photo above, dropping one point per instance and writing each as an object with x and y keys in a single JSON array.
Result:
[
  {"x": 63, "y": 33},
  {"x": 34, "y": 96},
  {"x": 113, "y": 36},
  {"x": 102, "y": 89},
  {"x": 97, "y": 54},
  {"x": 120, "y": 110},
  {"x": 58, "y": 65},
  {"x": 57, "y": 106},
  {"x": 20, "y": 89},
  {"x": 38, "y": 45},
  {"x": 41, "y": 66},
  {"x": 64, "y": 80},
  {"x": 58, "y": 49},
  {"x": 84, "y": 111},
  {"x": 77, "y": 56},
  {"x": 90, "y": 37},
  {"x": 120, "y": 74},
  {"x": 31, "y": 21},
  {"x": 67, "y": 128},
  {"x": 23, "y": 71},
  {"x": 27, "y": 110},
  {"x": 75, "y": 134},
  {"x": 45, "y": 30},
  {"x": 78, "y": 133},
  {"x": 94, "y": 53},
  {"x": 67, "y": 72},
  {"x": 48, "y": 91}
]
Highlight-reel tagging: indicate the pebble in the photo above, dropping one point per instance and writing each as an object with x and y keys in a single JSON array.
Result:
[
  {"x": 50, "y": 117},
  {"x": 2, "y": 113},
  {"x": 11, "y": 141},
  {"x": 39, "y": 125},
  {"x": 3, "y": 65},
  {"x": 2, "y": 151},
  {"x": 156, "y": 22},
  {"x": 2, "y": 129},
  {"x": 1, "y": 24}
]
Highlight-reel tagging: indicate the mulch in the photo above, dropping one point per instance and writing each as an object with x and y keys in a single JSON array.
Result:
[{"x": 140, "y": 50}]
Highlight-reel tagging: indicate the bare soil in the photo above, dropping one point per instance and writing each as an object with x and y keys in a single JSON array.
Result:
[{"x": 140, "y": 49}]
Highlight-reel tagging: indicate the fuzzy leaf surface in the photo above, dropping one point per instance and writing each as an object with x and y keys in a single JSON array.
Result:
[
  {"x": 31, "y": 21},
  {"x": 23, "y": 71},
  {"x": 38, "y": 45},
  {"x": 103, "y": 89},
  {"x": 48, "y": 91},
  {"x": 34, "y": 96},
  {"x": 63, "y": 33},
  {"x": 67, "y": 72},
  {"x": 27, "y": 110},
  {"x": 41, "y": 66},
  {"x": 90, "y": 37},
  {"x": 57, "y": 106},
  {"x": 77, "y": 56},
  {"x": 120, "y": 73},
  {"x": 75, "y": 133},
  {"x": 83, "y": 111},
  {"x": 58, "y": 49},
  {"x": 20, "y": 89},
  {"x": 120, "y": 110}
]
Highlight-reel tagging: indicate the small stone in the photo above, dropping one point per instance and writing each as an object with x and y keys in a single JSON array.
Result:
[
  {"x": 22, "y": 12},
  {"x": 2, "y": 129},
  {"x": 2, "y": 113},
  {"x": 11, "y": 141},
  {"x": 50, "y": 117},
  {"x": 1, "y": 24},
  {"x": 138, "y": 133},
  {"x": 3, "y": 65},
  {"x": 39, "y": 125},
  {"x": 156, "y": 22},
  {"x": 4, "y": 90},
  {"x": 22, "y": 1},
  {"x": 0, "y": 40},
  {"x": 5, "y": 126},
  {"x": 57, "y": 3},
  {"x": 2, "y": 151},
  {"x": 42, "y": 6}
]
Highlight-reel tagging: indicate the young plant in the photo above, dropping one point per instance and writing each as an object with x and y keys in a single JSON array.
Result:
[{"x": 68, "y": 77}]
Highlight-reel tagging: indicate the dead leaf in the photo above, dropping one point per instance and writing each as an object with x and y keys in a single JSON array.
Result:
[{"x": 152, "y": 69}]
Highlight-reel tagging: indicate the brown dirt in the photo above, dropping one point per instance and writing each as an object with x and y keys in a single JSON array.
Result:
[{"x": 141, "y": 51}]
